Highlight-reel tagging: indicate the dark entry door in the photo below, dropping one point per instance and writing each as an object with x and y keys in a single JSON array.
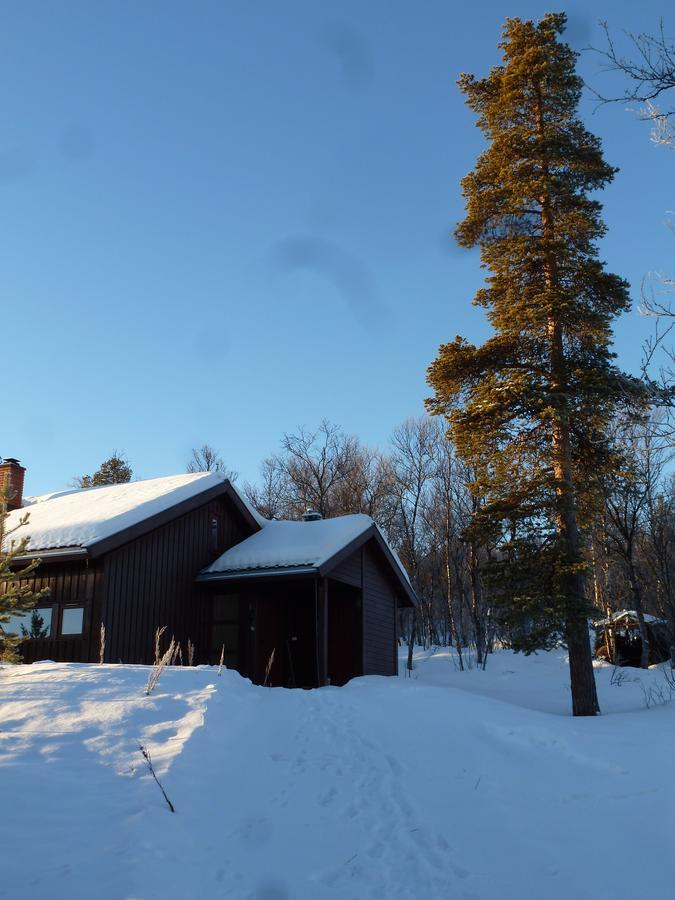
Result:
[
  {"x": 285, "y": 653},
  {"x": 344, "y": 633},
  {"x": 225, "y": 630},
  {"x": 269, "y": 631}
]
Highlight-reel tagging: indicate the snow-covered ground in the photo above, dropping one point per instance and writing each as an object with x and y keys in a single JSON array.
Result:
[{"x": 473, "y": 785}]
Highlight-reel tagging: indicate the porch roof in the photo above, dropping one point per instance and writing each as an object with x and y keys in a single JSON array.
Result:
[{"x": 294, "y": 548}]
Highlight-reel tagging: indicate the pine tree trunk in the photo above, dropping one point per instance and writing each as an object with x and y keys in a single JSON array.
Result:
[{"x": 582, "y": 678}]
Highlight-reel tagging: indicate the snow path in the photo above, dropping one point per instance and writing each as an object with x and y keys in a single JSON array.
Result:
[
  {"x": 446, "y": 786},
  {"x": 394, "y": 850}
]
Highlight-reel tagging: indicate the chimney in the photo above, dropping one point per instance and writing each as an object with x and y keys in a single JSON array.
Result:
[
  {"x": 11, "y": 480},
  {"x": 311, "y": 515}
]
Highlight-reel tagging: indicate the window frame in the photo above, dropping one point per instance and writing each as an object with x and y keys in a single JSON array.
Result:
[
  {"x": 72, "y": 636},
  {"x": 56, "y": 623},
  {"x": 52, "y": 623}
]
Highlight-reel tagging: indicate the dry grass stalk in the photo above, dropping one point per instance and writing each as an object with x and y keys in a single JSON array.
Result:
[
  {"x": 158, "y": 635},
  {"x": 101, "y": 645},
  {"x": 270, "y": 662},
  {"x": 177, "y": 653},
  {"x": 158, "y": 668},
  {"x": 191, "y": 653},
  {"x": 222, "y": 660}
]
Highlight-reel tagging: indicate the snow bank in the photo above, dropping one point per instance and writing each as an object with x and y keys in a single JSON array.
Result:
[{"x": 472, "y": 785}]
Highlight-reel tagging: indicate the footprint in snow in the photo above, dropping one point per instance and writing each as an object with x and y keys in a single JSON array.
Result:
[{"x": 254, "y": 832}]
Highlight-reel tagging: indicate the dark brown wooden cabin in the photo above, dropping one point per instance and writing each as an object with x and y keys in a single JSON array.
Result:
[
  {"x": 312, "y": 624},
  {"x": 135, "y": 581},
  {"x": 324, "y": 624}
]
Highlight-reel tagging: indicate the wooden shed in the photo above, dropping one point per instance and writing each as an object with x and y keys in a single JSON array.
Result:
[
  {"x": 618, "y": 640},
  {"x": 138, "y": 556},
  {"x": 309, "y": 603}
]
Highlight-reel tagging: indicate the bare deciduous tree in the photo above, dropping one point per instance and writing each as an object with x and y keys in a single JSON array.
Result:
[
  {"x": 206, "y": 459},
  {"x": 325, "y": 470},
  {"x": 648, "y": 67},
  {"x": 318, "y": 463}
]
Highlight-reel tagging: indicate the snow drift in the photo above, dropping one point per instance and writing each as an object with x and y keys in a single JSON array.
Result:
[{"x": 473, "y": 785}]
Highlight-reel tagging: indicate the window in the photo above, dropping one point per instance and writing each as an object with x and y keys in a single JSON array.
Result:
[
  {"x": 34, "y": 624},
  {"x": 43, "y": 622},
  {"x": 72, "y": 620}
]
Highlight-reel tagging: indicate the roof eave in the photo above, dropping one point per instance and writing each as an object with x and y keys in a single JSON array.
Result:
[
  {"x": 249, "y": 574},
  {"x": 55, "y": 554}
]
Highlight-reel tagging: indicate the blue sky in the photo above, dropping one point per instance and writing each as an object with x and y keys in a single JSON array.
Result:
[{"x": 221, "y": 220}]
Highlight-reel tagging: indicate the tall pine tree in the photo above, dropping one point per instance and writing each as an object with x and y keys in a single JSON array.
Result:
[{"x": 528, "y": 408}]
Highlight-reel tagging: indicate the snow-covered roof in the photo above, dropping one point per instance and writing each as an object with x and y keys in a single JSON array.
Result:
[
  {"x": 75, "y": 521},
  {"x": 80, "y": 518},
  {"x": 285, "y": 545},
  {"x": 627, "y": 614}
]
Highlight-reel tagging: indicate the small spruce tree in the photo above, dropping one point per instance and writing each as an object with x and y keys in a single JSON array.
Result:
[
  {"x": 528, "y": 409},
  {"x": 115, "y": 470},
  {"x": 16, "y": 597}
]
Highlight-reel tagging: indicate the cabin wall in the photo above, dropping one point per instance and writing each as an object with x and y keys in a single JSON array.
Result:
[
  {"x": 380, "y": 649},
  {"x": 150, "y": 582},
  {"x": 349, "y": 570},
  {"x": 71, "y": 584}
]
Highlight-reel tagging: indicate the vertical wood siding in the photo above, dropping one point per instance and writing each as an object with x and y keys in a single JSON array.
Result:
[
  {"x": 150, "y": 582},
  {"x": 349, "y": 570},
  {"x": 137, "y": 588},
  {"x": 380, "y": 652}
]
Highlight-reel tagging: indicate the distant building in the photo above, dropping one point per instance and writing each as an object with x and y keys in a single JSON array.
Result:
[{"x": 618, "y": 640}]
